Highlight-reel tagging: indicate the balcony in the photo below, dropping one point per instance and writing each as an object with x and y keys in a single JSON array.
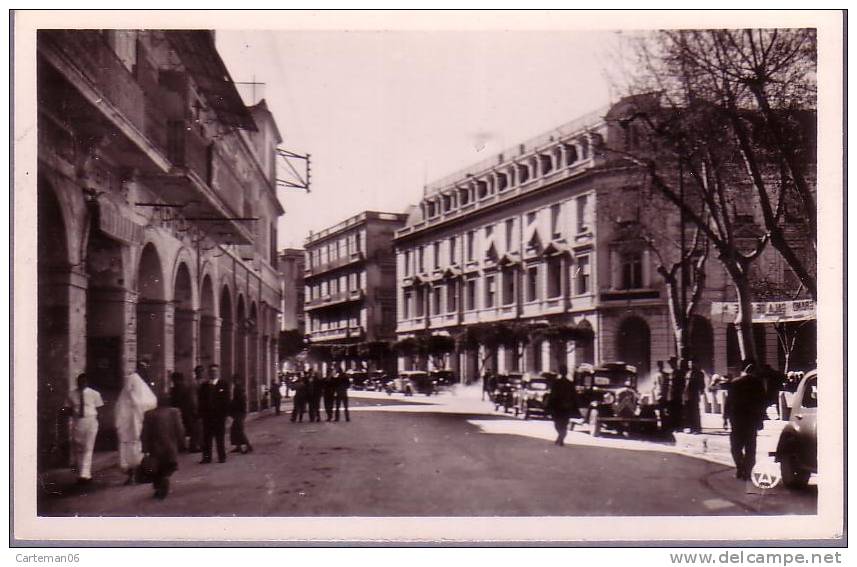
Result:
[
  {"x": 334, "y": 299},
  {"x": 352, "y": 332},
  {"x": 629, "y": 295},
  {"x": 112, "y": 97},
  {"x": 347, "y": 260}
]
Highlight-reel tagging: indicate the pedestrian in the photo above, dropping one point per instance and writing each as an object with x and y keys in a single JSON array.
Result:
[
  {"x": 195, "y": 433},
  {"x": 238, "y": 412},
  {"x": 314, "y": 397},
  {"x": 276, "y": 396},
  {"x": 328, "y": 392},
  {"x": 163, "y": 436},
  {"x": 664, "y": 395},
  {"x": 487, "y": 386},
  {"x": 214, "y": 408},
  {"x": 718, "y": 388},
  {"x": 342, "y": 383},
  {"x": 675, "y": 393},
  {"x": 135, "y": 399},
  {"x": 745, "y": 406},
  {"x": 774, "y": 382},
  {"x": 83, "y": 402},
  {"x": 299, "y": 401},
  {"x": 694, "y": 387},
  {"x": 561, "y": 404},
  {"x": 182, "y": 398}
]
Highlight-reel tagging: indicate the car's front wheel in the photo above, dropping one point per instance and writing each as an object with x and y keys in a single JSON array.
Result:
[{"x": 793, "y": 475}]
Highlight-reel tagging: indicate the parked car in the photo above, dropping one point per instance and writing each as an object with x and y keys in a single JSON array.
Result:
[
  {"x": 532, "y": 397},
  {"x": 359, "y": 379},
  {"x": 444, "y": 379},
  {"x": 411, "y": 382},
  {"x": 379, "y": 381},
  {"x": 505, "y": 386},
  {"x": 797, "y": 448},
  {"x": 608, "y": 398}
]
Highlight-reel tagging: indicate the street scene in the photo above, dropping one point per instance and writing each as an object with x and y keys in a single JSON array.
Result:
[
  {"x": 445, "y": 455},
  {"x": 365, "y": 273}
]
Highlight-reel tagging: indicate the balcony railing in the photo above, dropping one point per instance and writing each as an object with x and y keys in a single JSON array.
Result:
[
  {"x": 338, "y": 333},
  {"x": 335, "y": 299},
  {"x": 90, "y": 54},
  {"x": 351, "y": 258}
]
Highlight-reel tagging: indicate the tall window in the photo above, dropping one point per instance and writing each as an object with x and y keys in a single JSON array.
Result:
[
  {"x": 510, "y": 233},
  {"x": 451, "y": 297},
  {"x": 436, "y": 255},
  {"x": 556, "y": 230},
  {"x": 582, "y": 213},
  {"x": 420, "y": 298},
  {"x": 582, "y": 275},
  {"x": 407, "y": 262},
  {"x": 532, "y": 283},
  {"x": 470, "y": 294},
  {"x": 453, "y": 243},
  {"x": 490, "y": 291},
  {"x": 471, "y": 245},
  {"x": 554, "y": 276},
  {"x": 406, "y": 304},
  {"x": 632, "y": 270},
  {"x": 421, "y": 252},
  {"x": 437, "y": 296},
  {"x": 508, "y": 286},
  {"x": 357, "y": 242},
  {"x": 489, "y": 230}
]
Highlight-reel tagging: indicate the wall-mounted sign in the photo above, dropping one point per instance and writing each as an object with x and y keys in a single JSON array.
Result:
[{"x": 766, "y": 312}]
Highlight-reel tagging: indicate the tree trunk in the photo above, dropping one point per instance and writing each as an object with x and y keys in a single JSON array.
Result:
[
  {"x": 677, "y": 315},
  {"x": 744, "y": 321}
]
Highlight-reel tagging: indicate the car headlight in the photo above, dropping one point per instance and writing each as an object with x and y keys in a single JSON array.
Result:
[{"x": 609, "y": 398}]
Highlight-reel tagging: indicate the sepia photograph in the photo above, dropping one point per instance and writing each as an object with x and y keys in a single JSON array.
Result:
[{"x": 385, "y": 277}]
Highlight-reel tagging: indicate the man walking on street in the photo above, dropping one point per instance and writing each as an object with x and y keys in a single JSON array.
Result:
[
  {"x": 214, "y": 408},
  {"x": 745, "y": 406},
  {"x": 561, "y": 404},
  {"x": 328, "y": 393},
  {"x": 276, "y": 397},
  {"x": 342, "y": 382},
  {"x": 314, "y": 397},
  {"x": 182, "y": 397},
  {"x": 163, "y": 436},
  {"x": 693, "y": 388},
  {"x": 84, "y": 403}
]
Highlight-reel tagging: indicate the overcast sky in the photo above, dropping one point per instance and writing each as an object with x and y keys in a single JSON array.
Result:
[{"x": 384, "y": 112}]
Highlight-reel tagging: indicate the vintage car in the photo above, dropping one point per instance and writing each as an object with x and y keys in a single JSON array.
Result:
[
  {"x": 444, "y": 379},
  {"x": 412, "y": 382},
  {"x": 505, "y": 386},
  {"x": 359, "y": 379},
  {"x": 797, "y": 449},
  {"x": 379, "y": 381},
  {"x": 608, "y": 398},
  {"x": 532, "y": 397}
]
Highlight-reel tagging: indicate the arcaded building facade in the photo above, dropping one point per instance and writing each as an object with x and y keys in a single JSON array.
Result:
[
  {"x": 539, "y": 235},
  {"x": 157, "y": 218},
  {"x": 350, "y": 280}
]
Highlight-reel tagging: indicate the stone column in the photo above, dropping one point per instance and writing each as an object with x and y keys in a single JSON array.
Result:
[
  {"x": 61, "y": 356},
  {"x": 208, "y": 349},
  {"x": 155, "y": 338}
]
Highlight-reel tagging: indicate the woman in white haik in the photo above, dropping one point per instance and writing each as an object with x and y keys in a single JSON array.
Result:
[{"x": 135, "y": 399}]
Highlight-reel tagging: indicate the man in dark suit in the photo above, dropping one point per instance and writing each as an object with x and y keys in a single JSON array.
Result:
[
  {"x": 213, "y": 409},
  {"x": 745, "y": 407},
  {"x": 163, "y": 436},
  {"x": 562, "y": 404}
]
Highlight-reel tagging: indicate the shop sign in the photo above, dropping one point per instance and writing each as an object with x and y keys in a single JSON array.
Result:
[{"x": 766, "y": 312}]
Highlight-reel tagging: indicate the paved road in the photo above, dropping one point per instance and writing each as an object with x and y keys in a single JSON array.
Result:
[{"x": 400, "y": 457}]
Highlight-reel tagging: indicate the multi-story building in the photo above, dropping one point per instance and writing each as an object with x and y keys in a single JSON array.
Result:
[
  {"x": 157, "y": 218},
  {"x": 537, "y": 235},
  {"x": 291, "y": 265},
  {"x": 350, "y": 280}
]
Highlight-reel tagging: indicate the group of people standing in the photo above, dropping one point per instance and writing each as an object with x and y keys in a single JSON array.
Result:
[
  {"x": 312, "y": 388},
  {"x": 152, "y": 429}
]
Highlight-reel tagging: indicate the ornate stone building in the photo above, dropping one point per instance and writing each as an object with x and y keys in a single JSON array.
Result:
[
  {"x": 350, "y": 285},
  {"x": 540, "y": 235},
  {"x": 157, "y": 218}
]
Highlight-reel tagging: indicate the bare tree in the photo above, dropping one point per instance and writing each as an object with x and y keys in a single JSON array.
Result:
[{"x": 760, "y": 87}]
